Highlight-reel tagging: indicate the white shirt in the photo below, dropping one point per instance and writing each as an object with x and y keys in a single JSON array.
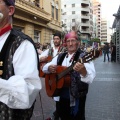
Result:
[
  {"x": 91, "y": 73},
  {"x": 45, "y": 53},
  {"x": 20, "y": 90}
]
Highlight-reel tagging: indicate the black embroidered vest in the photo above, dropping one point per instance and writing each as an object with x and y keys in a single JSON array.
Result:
[
  {"x": 6, "y": 71},
  {"x": 77, "y": 87}
]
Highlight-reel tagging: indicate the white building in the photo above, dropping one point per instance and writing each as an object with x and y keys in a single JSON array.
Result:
[
  {"x": 77, "y": 15},
  {"x": 105, "y": 31},
  {"x": 97, "y": 13},
  {"x": 95, "y": 30}
]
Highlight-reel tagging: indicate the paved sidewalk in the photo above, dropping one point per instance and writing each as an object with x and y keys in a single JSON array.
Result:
[{"x": 103, "y": 100}]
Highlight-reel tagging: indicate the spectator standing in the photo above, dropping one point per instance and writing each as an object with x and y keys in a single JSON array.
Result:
[
  {"x": 106, "y": 52},
  {"x": 113, "y": 52}
]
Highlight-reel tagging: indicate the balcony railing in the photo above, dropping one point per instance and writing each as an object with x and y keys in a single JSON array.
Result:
[
  {"x": 30, "y": 8},
  {"x": 85, "y": 2}
]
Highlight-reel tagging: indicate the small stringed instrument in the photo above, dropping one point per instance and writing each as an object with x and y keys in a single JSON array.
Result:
[{"x": 55, "y": 81}]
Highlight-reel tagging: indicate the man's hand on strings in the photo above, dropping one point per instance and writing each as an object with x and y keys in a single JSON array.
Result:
[
  {"x": 80, "y": 68},
  {"x": 52, "y": 68},
  {"x": 43, "y": 59}
]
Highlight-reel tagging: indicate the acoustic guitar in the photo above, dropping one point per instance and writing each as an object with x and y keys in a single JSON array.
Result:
[
  {"x": 55, "y": 81},
  {"x": 48, "y": 59}
]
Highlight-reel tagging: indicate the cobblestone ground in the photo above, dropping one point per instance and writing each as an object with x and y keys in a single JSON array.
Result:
[{"x": 103, "y": 100}]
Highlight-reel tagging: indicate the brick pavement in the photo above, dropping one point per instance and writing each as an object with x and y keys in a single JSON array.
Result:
[{"x": 103, "y": 100}]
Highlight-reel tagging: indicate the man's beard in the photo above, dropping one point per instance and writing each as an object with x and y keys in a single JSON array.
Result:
[
  {"x": 57, "y": 45},
  {"x": 1, "y": 15}
]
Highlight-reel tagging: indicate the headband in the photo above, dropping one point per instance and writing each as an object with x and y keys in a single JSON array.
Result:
[{"x": 71, "y": 35}]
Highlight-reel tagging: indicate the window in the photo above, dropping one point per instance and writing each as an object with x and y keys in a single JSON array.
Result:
[
  {"x": 36, "y": 36},
  {"x": 73, "y": 5},
  {"x": 73, "y": 20},
  {"x": 64, "y": 13},
  {"x": 56, "y": 14},
  {"x": 73, "y": 12},
  {"x": 52, "y": 11}
]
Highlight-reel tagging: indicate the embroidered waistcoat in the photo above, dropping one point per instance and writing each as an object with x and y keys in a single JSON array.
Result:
[
  {"x": 6, "y": 67},
  {"x": 77, "y": 87}
]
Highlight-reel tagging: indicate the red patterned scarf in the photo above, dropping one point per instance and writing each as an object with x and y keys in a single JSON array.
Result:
[{"x": 5, "y": 29}]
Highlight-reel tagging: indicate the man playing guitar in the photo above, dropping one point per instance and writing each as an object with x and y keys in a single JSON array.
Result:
[
  {"x": 53, "y": 52},
  {"x": 72, "y": 99}
]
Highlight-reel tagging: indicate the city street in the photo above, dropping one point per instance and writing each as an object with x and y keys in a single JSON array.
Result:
[{"x": 103, "y": 100}]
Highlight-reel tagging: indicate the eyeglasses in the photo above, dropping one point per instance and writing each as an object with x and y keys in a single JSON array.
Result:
[{"x": 72, "y": 41}]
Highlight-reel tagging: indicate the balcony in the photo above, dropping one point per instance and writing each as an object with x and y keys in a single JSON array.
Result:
[
  {"x": 85, "y": 31},
  {"x": 27, "y": 10},
  {"x": 86, "y": 24},
  {"x": 85, "y": 17},
  {"x": 85, "y": 10},
  {"x": 84, "y": 3}
]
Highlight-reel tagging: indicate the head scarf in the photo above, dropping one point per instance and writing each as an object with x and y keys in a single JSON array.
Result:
[
  {"x": 71, "y": 35},
  {"x": 10, "y": 2}
]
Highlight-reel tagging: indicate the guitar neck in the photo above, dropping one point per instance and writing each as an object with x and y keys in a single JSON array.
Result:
[
  {"x": 65, "y": 72},
  {"x": 86, "y": 58}
]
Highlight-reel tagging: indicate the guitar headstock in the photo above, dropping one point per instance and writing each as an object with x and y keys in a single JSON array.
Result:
[{"x": 90, "y": 56}]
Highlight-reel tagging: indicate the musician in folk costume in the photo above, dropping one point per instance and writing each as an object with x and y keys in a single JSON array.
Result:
[
  {"x": 53, "y": 51},
  {"x": 19, "y": 76},
  {"x": 72, "y": 98}
]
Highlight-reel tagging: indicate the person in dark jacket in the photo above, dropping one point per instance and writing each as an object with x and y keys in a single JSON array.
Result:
[
  {"x": 113, "y": 52},
  {"x": 106, "y": 52}
]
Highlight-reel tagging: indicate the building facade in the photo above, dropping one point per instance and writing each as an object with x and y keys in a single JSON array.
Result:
[
  {"x": 116, "y": 34},
  {"x": 39, "y": 19},
  {"x": 97, "y": 13},
  {"x": 105, "y": 33},
  {"x": 78, "y": 15}
]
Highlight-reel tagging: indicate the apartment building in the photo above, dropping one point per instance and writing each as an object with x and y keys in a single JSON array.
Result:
[
  {"x": 77, "y": 15},
  {"x": 116, "y": 34},
  {"x": 38, "y": 19},
  {"x": 97, "y": 13},
  {"x": 94, "y": 35},
  {"x": 105, "y": 32}
]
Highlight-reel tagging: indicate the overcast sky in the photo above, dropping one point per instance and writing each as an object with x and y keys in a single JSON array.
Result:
[{"x": 109, "y": 7}]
